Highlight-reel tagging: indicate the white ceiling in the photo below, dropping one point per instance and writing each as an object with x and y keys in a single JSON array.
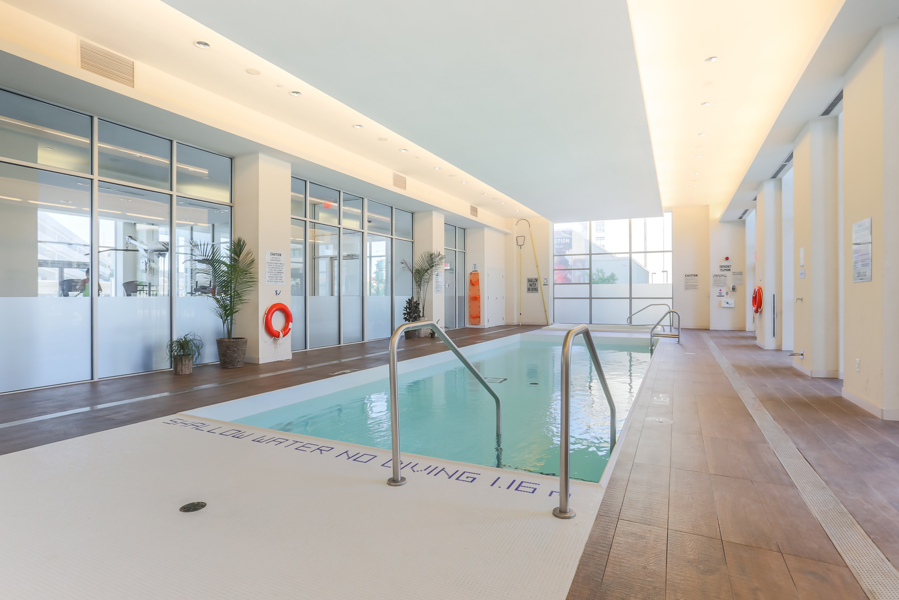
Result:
[{"x": 540, "y": 101}]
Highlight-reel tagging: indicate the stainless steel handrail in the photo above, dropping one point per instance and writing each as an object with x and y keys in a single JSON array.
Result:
[
  {"x": 652, "y": 332},
  {"x": 563, "y": 511},
  {"x": 397, "y": 478},
  {"x": 631, "y": 316}
]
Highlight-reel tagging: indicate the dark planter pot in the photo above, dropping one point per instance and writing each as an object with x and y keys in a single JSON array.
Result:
[
  {"x": 183, "y": 365},
  {"x": 231, "y": 352},
  {"x": 411, "y": 334}
]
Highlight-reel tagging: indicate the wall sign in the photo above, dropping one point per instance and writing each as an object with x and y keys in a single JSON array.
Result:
[
  {"x": 738, "y": 277},
  {"x": 533, "y": 287},
  {"x": 724, "y": 268},
  {"x": 691, "y": 281},
  {"x": 275, "y": 268},
  {"x": 719, "y": 280},
  {"x": 862, "y": 249}
]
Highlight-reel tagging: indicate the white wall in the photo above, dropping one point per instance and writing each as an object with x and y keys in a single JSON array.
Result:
[
  {"x": 486, "y": 248},
  {"x": 751, "y": 256},
  {"x": 690, "y": 237},
  {"x": 727, "y": 240},
  {"x": 530, "y": 306},
  {"x": 428, "y": 236}
]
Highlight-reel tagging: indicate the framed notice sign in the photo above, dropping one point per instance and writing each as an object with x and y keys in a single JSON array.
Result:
[{"x": 862, "y": 248}]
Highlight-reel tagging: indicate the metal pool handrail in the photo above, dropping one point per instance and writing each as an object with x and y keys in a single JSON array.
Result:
[
  {"x": 563, "y": 511},
  {"x": 632, "y": 315},
  {"x": 653, "y": 334},
  {"x": 397, "y": 478}
]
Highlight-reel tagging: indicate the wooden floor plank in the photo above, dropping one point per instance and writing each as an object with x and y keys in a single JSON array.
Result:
[
  {"x": 646, "y": 498},
  {"x": 794, "y": 526},
  {"x": 697, "y": 569},
  {"x": 816, "y": 580},
  {"x": 691, "y": 504},
  {"x": 740, "y": 513},
  {"x": 636, "y": 565},
  {"x": 757, "y": 574}
]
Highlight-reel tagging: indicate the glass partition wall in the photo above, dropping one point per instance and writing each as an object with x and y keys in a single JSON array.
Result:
[
  {"x": 80, "y": 194},
  {"x": 606, "y": 271},
  {"x": 355, "y": 286},
  {"x": 455, "y": 279}
]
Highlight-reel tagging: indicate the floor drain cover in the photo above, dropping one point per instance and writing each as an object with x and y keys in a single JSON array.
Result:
[
  {"x": 661, "y": 420},
  {"x": 193, "y": 507}
]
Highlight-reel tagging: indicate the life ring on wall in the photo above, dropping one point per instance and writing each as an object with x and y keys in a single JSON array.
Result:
[
  {"x": 757, "y": 299},
  {"x": 288, "y": 320}
]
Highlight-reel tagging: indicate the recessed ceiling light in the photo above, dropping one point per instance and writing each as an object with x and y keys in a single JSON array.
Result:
[
  {"x": 436, "y": 168},
  {"x": 695, "y": 186},
  {"x": 404, "y": 149},
  {"x": 705, "y": 104},
  {"x": 252, "y": 71},
  {"x": 295, "y": 93},
  {"x": 464, "y": 182},
  {"x": 701, "y": 134},
  {"x": 357, "y": 126},
  {"x": 699, "y": 156},
  {"x": 502, "y": 203},
  {"x": 711, "y": 59},
  {"x": 696, "y": 173},
  {"x": 201, "y": 44},
  {"x": 484, "y": 194}
]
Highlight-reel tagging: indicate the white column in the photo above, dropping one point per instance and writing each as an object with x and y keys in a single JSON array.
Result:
[
  {"x": 428, "y": 236},
  {"x": 262, "y": 218},
  {"x": 815, "y": 236},
  {"x": 769, "y": 241}
]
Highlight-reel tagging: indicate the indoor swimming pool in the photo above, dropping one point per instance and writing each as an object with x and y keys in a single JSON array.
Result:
[{"x": 445, "y": 413}]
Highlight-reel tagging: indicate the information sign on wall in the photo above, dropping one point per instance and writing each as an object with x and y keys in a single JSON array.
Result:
[
  {"x": 861, "y": 251},
  {"x": 275, "y": 268},
  {"x": 691, "y": 281},
  {"x": 533, "y": 287}
]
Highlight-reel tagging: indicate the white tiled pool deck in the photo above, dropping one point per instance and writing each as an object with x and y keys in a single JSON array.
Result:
[{"x": 97, "y": 517}]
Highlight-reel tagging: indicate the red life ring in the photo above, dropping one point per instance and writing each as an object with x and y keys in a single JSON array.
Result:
[
  {"x": 757, "y": 299},
  {"x": 288, "y": 318}
]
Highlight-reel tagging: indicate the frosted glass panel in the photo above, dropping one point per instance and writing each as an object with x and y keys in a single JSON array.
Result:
[
  {"x": 572, "y": 311},
  {"x": 130, "y": 155},
  {"x": 133, "y": 332},
  {"x": 324, "y": 264},
  {"x": 44, "y": 278},
  {"x": 202, "y": 223},
  {"x": 36, "y": 132},
  {"x": 51, "y": 338},
  {"x": 203, "y": 174},
  {"x": 611, "y": 312},
  {"x": 378, "y": 287},
  {"x": 449, "y": 288},
  {"x": 572, "y": 291},
  {"x": 134, "y": 316},
  {"x": 351, "y": 303},
  {"x": 611, "y": 275},
  {"x": 298, "y": 284}
]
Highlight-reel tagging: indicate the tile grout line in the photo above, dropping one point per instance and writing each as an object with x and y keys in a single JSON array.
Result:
[{"x": 876, "y": 575}]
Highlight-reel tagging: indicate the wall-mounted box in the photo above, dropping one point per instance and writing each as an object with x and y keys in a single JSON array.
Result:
[{"x": 727, "y": 303}]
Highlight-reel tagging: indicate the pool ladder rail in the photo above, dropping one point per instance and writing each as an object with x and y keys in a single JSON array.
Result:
[
  {"x": 397, "y": 479},
  {"x": 661, "y": 334},
  {"x": 563, "y": 511}
]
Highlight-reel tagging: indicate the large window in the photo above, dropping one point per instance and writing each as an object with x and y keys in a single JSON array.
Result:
[
  {"x": 102, "y": 239},
  {"x": 354, "y": 286},
  {"x": 606, "y": 271}
]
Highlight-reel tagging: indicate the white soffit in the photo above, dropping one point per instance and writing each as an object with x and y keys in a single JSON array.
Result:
[
  {"x": 853, "y": 28},
  {"x": 540, "y": 101},
  {"x": 715, "y": 76}
]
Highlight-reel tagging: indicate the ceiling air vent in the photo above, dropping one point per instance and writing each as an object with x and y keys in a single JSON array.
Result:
[
  {"x": 744, "y": 214},
  {"x": 399, "y": 181},
  {"x": 833, "y": 104},
  {"x": 107, "y": 64},
  {"x": 474, "y": 210},
  {"x": 783, "y": 165}
]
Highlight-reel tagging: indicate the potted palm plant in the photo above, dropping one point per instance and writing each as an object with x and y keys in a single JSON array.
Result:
[
  {"x": 411, "y": 313},
  {"x": 232, "y": 278},
  {"x": 422, "y": 271},
  {"x": 184, "y": 352}
]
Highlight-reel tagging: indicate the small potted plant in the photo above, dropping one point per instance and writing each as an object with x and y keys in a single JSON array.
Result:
[
  {"x": 184, "y": 352},
  {"x": 412, "y": 313},
  {"x": 232, "y": 278}
]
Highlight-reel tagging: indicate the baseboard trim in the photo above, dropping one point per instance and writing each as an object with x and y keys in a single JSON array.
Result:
[
  {"x": 824, "y": 374},
  {"x": 886, "y": 415},
  {"x": 802, "y": 369}
]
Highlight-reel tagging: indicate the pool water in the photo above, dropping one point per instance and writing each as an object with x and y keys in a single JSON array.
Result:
[{"x": 445, "y": 413}]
